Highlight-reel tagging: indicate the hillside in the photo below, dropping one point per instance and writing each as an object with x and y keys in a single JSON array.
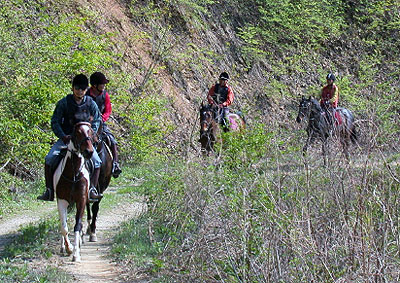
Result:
[{"x": 259, "y": 210}]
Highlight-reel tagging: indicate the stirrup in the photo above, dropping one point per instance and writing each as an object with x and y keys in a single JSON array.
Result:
[
  {"x": 93, "y": 195},
  {"x": 48, "y": 195}
]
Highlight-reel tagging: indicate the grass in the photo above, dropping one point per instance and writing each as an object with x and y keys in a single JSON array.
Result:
[
  {"x": 14, "y": 271},
  {"x": 31, "y": 244}
]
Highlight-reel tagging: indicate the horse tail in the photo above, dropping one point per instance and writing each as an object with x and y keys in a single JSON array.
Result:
[{"x": 350, "y": 125}]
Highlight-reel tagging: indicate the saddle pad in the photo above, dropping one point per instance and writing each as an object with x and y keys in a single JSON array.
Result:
[
  {"x": 232, "y": 122},
  {"x": 338, "y": 118}
]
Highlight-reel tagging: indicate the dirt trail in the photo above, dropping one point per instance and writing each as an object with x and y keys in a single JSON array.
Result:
[{"x": 95, "y": 267}]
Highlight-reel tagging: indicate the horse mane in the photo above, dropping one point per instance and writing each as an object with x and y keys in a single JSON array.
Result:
[{"x": 316, "y": 104}]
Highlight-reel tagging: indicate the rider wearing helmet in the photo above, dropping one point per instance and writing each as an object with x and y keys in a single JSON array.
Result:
[
  {"x": 98, "y": 93},
  {"x": 221, "y": 95},
  {"x": 329, "y": 93},
  {"x": 71, "y": 109}
]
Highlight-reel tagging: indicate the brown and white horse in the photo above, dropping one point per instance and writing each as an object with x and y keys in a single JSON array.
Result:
[{"x": 71, "y": 183}]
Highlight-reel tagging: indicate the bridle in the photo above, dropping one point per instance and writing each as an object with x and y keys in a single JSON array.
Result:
[
  {"x": 77, "y": 152},
  {"x": 204, "y": 123},
  {"x": 78, "y": 145}
]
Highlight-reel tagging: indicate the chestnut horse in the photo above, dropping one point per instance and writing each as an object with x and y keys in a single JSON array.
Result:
[
  {"x": 210, "y": 128},
  {"x": 104, "y": 152},
  {"x": 71, "y": 183}
]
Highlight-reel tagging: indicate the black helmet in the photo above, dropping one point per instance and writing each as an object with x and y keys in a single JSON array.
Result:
[
  {"x": 224, "y": 76},
  {"x": 330, "y": 76},
  {"x": 80, "y": 81},
  {"x": 98, "y": 78}
]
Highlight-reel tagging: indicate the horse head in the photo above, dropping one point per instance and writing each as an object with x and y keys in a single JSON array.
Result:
[
  {"x": 304, "y": 108},
  {"x": 82, "y": 139},
  {"x": 206, "y": 118}
]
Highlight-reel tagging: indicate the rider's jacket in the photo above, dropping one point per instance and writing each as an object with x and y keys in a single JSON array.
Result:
[
  {"x": 331, "y": 94},
  {"x": 68, "y": 112},
  {"x": 103, "y": 103},
  {"x": 220, "y": 95}
]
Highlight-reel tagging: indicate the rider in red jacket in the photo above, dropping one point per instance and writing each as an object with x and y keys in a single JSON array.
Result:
[
  {"x": 330, "y": 93},
  {"x": 330, "y": 98},
  {"x": 97, "y": 91},
  {"x": 221, "y": 95}
]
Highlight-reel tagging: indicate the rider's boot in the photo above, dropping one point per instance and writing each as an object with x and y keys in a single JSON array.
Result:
[
  {"x": 116, "y": 169},
  {"x": 94, "y": 180},
  {"x": 48, "y": 195}
]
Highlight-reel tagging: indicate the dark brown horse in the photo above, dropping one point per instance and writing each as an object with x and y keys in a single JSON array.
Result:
[
  {"x": 340, "y": 125},
  {"x": 104, "y": 152},
  {"x": 71, "y": 183},
  {"x": 210, "y": 128}
]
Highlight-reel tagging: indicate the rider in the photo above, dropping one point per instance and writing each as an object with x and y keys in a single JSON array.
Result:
[
  {"x": 221, "y": 95},
  {"x": 69, "y": 110},
  {"x": 329, "y": 96},
  {"x": 97, "y": 91}
]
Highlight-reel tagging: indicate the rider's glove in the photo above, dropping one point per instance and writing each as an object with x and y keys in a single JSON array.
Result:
[{"x": 66, "y": 139}]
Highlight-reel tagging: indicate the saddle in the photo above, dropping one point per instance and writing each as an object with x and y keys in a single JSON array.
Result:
[{"x": 333, "y": 116}]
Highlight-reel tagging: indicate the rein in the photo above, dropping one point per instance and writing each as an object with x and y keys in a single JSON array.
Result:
[
  {"x": 77, "y": 173},
  {"x": 83, "y": 140}
]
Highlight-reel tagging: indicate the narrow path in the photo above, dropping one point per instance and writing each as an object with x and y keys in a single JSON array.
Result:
[{"x": 95, "y": 267}]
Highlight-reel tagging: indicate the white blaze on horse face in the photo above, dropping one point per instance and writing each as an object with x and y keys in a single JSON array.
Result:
[{"x": 86, "y": 130}]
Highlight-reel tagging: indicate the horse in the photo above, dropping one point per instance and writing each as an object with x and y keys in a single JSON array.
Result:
[
  {"x": 320, "y": 126},
  {"x": 71, "y": 182},
  {"x": 104, "y": 152},
  {"x": 210, "y": 128}
]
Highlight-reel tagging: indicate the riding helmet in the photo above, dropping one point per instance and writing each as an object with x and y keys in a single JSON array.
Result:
[
  {"x": 330, "y": 76},
  {"x": 98, "y": 78},
  {"x": 80, "y": 81},
  {"x": 224, "y": 76}
]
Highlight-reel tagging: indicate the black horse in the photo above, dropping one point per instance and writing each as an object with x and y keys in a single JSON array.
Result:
[{"x": 323, "y": 124}]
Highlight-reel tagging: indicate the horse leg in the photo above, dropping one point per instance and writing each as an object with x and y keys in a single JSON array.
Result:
[
  {"x": 62, "y": 212},
  {"x": 308, "y": 142},
  {"x": 323, "y": 141},
  {"x": 80, "y": 210},
  {"x": 89, "y": 217},
  {"x": 95, "y": 208},
  {"x": 345, "y": 143}
]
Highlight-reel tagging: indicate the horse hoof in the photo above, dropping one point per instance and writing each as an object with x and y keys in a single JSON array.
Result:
[
  {"x": 69, "y": 251},
  {"x": 93, "y": 238},
  {"x": 76, "y": 259}
]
